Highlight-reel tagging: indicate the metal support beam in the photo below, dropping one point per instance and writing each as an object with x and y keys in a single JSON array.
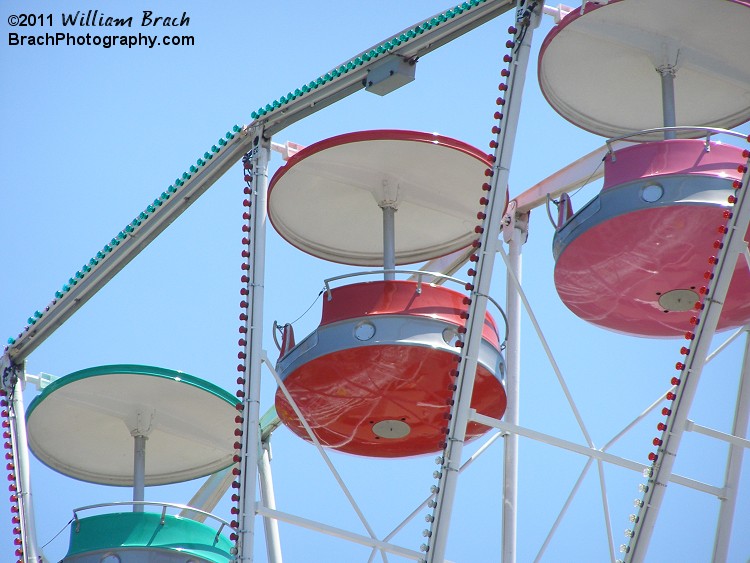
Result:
[
  {"x": 515, "y": 235},
  {"x": 368, "y": 541},
  {"x": 592, "y": 453},
  {"x": 32, "y": 553},
  {"x": 268, "y": 498},
  {"x": 258, "y": 158},
  {"x": 734, "y": 463},
  {"x": 731, "y": 439},
  {"x": 734, "y": 247},
  {"x": 528, "y": 16}
]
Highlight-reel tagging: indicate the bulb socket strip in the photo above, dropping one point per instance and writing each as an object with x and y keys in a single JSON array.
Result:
[
  {"x": 248, "y": 168},
  {"x": 129, "y": 231},
  {"x": 363, "y": 58},
  {"x": 485, "y": 201},
  {"x": 10, "y": 466},
  {"x": 664, "y": 426}
]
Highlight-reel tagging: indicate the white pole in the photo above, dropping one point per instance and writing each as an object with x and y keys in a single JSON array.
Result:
[
  {"x": 389, "y": 241},
  {"x": 512, "y": 389},
  {"x": 667, "y": 99},
  {"x": 32, "y": 553},
  {"x": 528, "y": 15},
  {"x": 254, "y": 344},
  {"x": 734, "y": 463},
  {"x": 139, "y": 471},
  {"x": 271, "y": 525},
  {"x": 734, "y": 246}
]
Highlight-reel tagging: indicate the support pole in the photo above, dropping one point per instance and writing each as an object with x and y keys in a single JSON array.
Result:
[
  {"x": 528, "y": 15},
  {"x": 733, "y": 247},
  {"x": 734, "y": 463},
  {"x": 258, "y": 157},
  {"x": 139, "y": 471},
  {"x": 32, "y": 553},
  {"x": 389, "y": 241},
  {"x": 667, "y": 73},
  {"x": 271, "y": 525},
  {"x": 512, "y": 390}
]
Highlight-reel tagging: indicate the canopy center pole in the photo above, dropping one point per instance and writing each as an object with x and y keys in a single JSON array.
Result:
[
  {"x": 389, "y": 241},
  {"x": 667, "y": 73},
  {"x": 139, "y": 471}
]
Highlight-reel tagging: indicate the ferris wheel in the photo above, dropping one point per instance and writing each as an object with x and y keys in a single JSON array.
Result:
[{"x": 415, "y": 361}]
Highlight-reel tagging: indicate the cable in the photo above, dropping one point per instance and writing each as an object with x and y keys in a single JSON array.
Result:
[
  {"x": 310, "y": 307},
  {"x": 589, "y": 178},
  {"x": 280, "y": 327},
  {"x": 57, "y": 534}
]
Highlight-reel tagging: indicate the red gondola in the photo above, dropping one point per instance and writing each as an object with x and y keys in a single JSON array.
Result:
[
  {"x": 375, "y": 377},
  {"x": 633, "y": 259}
]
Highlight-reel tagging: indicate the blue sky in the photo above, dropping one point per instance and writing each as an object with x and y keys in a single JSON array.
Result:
[{"x": 91, "y": 136}]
